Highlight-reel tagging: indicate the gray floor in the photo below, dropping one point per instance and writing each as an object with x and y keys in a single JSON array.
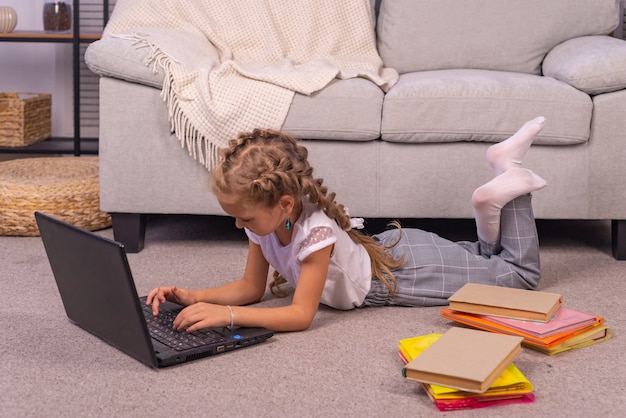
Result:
[{"x": 346, "y": 364}]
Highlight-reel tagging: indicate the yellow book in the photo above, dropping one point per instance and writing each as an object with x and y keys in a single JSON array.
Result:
[
  {"x": 592, "y": 336},
  {"x": 511, "y": 381}
]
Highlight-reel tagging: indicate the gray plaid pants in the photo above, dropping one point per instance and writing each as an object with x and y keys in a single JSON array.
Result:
[{"x": 435, "y": 267}]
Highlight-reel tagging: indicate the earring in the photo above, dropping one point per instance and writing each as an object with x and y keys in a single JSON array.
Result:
[{"x": 288, "y": 224}]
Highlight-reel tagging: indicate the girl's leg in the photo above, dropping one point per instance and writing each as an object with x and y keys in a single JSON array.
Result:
[
  {"x": 507, "y": 253},
  {"x": 519, "y": 243},
  {"x": 435, "y": 267},
  {"x": 489, "y": 199},
  {"x": 505, "y": 158}
]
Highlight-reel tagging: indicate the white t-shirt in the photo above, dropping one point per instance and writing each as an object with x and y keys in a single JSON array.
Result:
[{"x": 349, "y": 276}]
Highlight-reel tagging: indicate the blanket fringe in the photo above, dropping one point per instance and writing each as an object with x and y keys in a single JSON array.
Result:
[{"x": 197, "y": 145}]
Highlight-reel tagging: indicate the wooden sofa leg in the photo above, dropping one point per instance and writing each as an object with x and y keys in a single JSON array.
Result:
[
  {"x": 130, "y": 230},
  {"x": 618, "y": 232}
]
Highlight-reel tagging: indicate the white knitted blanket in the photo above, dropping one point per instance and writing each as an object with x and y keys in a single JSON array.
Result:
[{"x": 232, "y": 66}]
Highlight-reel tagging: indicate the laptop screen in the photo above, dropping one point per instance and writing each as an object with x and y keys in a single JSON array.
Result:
[{"x": 96, "y": 286}]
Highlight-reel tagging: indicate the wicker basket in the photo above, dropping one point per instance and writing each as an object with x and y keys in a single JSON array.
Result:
[
  {"x": 25, "y": 118},
  {"x": 64, "y": 187}
]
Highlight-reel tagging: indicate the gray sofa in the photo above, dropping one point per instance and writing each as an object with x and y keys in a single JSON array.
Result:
[{"x": 471, "y": 73}]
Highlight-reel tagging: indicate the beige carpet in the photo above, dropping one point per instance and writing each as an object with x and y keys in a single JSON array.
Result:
[{"x": 346, "y": 364}]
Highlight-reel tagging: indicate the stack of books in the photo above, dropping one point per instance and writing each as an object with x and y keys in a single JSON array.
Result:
[
  {"x": 538, "y": 317},
  {"x": 466, "y": 369}
]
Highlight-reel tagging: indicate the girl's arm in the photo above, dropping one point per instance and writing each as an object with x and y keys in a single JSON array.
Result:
[
  {"x": 249, "y": 289},
  {"x": 295, "y": 317}
]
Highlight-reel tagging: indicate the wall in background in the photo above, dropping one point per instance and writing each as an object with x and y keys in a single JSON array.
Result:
[
  {"x": 41, "y": 68},
  {"x": 47, "y": 67}
]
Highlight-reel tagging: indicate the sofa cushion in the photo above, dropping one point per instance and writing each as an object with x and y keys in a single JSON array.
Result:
[
  {"x": 505, "y": 35},
  {"x": 482, "y": 105},
  {"x": 593, "y": 64},
  {"x": 344, "y": 110}
]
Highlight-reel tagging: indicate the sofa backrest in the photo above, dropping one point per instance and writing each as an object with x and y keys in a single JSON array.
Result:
[{"x": 505, "y": 35}]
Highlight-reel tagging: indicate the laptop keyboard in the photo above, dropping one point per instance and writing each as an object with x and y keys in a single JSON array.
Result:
[{"x": 161, "y": 329}]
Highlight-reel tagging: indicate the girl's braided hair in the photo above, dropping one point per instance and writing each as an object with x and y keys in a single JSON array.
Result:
[{"x": 263, "y": 165}]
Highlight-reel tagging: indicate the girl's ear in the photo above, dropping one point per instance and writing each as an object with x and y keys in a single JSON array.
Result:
[{"x": 287, "y": 203}]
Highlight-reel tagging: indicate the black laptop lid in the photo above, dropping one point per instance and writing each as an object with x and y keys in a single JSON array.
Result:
[{"x": 96, "y": 286}]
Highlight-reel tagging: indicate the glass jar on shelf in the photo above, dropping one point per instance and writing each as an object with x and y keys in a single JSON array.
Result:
[{"x": 57, "y": 16}]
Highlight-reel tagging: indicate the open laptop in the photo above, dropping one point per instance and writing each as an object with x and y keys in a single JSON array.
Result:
[{"x": 99, "y": 295}]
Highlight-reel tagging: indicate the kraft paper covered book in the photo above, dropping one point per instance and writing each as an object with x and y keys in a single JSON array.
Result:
[
  {"x": 464, "y": 359},
  {"x": 505, "y": 301},
  {"x": 511, "y": 387},
  {"x": 512, "y": 380}
]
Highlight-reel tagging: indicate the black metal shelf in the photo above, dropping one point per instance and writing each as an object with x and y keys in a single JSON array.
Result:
[
  {"x": 41, "y": 36},
  {"x": 55, "y": 145},
  {"x": 74, "y": 144}
]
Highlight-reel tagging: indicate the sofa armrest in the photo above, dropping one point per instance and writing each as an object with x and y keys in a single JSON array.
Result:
[
  {"x": 131, "y": 58},
  {"x": 593, "y": 64},
  {"x": 119, "y": 58}
]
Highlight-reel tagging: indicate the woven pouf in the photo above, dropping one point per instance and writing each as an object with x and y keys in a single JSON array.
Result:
[{"x": 64, "y": 187}]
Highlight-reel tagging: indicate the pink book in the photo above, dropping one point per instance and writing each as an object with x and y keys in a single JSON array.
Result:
[
  {"x": 476, "y": 403},
  {"x": 565, "y": 319}
]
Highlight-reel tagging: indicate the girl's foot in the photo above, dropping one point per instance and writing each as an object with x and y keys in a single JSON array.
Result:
[{"x": 510, "y": 152}]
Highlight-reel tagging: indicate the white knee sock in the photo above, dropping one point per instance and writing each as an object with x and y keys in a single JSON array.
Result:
[
  {"x": 510, "y": 152},
  {"x": 489, "y": 199}
]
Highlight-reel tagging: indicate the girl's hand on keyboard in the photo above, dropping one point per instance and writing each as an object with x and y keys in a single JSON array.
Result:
[
  {"x": 172, "y": 293},
  {"x": 202, "y": 315}
]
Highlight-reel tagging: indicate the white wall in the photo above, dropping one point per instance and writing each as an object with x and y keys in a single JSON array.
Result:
[{"x": 38, "y": 67}]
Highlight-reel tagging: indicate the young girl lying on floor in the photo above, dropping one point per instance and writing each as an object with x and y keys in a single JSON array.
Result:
[{"x": 294, "y": 225}]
